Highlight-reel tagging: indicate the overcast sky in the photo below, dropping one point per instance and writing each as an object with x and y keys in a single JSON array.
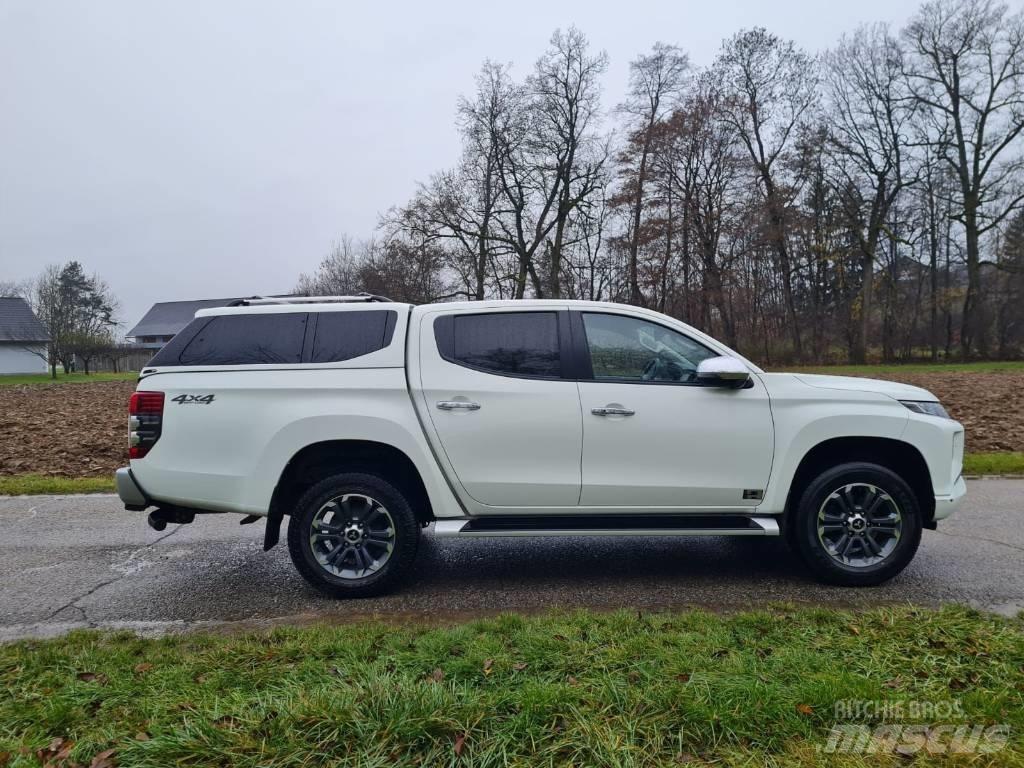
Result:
[{"x": 192, "y": 150}]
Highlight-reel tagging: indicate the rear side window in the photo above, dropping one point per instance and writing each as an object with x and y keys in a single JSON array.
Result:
[
  {"x": 345, "y": 335},
  {"x": 508, "y": 343},
  {"x": 250, "y": 339}
]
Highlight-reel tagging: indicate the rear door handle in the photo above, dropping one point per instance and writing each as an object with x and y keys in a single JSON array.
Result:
[
  {"x": 458, "y": 405},
  {"x": 609, "y": 411}
]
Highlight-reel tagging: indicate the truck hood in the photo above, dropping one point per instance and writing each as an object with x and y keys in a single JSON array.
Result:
[{"x": 893, "y": 389}]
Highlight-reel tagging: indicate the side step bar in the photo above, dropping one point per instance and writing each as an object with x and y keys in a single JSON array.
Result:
[{"x": 610, "y": 525}]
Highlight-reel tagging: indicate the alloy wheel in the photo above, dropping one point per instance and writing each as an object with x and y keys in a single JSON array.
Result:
[
  {"x": 859, "y": 525},
  {"x": 352, "y": 536}
]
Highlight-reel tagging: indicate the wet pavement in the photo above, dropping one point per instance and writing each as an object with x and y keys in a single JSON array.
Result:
[{"x": 82, "y": 561}]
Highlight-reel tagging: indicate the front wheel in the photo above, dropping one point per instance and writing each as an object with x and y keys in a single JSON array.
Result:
[
  {"x": 353, "y": 535},
  {"x": 857, "y": 524}
]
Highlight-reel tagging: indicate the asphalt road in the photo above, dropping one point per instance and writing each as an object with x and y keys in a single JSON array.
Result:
[{"x": 82, "y": 561}]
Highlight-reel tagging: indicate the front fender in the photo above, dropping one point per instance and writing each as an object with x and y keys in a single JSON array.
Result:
[{"x": 803, "y": 423}]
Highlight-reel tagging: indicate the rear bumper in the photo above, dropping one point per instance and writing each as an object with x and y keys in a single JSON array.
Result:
[
  {"x": 947, "y": 505},
  {"x": 130, "y": 491}
]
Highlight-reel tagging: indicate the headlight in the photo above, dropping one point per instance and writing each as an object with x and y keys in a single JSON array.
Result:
[{"x": 927, "y": 407}]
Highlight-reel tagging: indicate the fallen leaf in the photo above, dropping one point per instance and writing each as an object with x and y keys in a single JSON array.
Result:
[
  {"x": 142, "y": 736},
  {"x": 104, "y": 759},
  {"x": 437, "y": 675},
  {"x": 572, "y": 680},
  {"x": 805, "y": 709},
  {"x": 488, "y": 663},
  {"x": 92, "y": 677},
  {"x": 57, "y": 750},
  {"x": 520, "y": 666},
  {"x": 143, "y": 667},
  {"x": 460, "y": 742},
  {"x": 683, "y": 677},
  {"x": 855, "y": 629}
]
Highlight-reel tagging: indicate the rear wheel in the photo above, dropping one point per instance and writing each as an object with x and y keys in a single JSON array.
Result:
[
  {"x": 353, "y": 535},
  {"x": 857, "y": 524}
]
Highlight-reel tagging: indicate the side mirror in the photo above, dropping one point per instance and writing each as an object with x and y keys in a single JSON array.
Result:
[{"x": 722, "y": 372}]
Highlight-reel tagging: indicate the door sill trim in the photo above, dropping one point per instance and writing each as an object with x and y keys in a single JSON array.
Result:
[{"x": 609, "y": 525}]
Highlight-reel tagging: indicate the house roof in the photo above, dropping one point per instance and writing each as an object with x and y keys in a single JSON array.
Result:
[
  {"x": 166, "y": 318},
  {"x": 18, "y": 322}
]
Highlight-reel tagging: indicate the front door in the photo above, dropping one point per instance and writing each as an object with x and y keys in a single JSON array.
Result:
[
  {"x": 653, "y": 436},
  {"x": 506, "y": 420}
]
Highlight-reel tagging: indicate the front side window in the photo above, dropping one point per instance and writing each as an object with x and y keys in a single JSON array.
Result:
[
  {"x": 629, "y": 349},
  {"x": 508, "y": 343},
  {"x": 247, "y": 339}
]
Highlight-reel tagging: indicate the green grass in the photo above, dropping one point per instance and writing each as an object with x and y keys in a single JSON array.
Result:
[
  {"x": 1009, "y": 463},
  {"x": 20, "y": 485},
  {"x": 620, "y": 689},
  {"x": 1005, "y": 366},
  {"x": 12, "y": 379}
]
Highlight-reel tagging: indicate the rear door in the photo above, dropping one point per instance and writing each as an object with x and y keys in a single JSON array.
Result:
[{"x": 504, "y": 414}]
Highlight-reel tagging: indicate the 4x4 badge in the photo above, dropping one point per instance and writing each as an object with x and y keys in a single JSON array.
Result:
[{"x": 185, "y": 399}]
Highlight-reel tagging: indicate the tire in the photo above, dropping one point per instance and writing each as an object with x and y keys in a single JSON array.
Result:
[
  {"x": 343, "y": 564},
  {"x": 882, "y": 530}
]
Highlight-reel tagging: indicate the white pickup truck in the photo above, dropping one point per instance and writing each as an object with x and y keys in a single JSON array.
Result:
[{"x": 365, "y": 420}]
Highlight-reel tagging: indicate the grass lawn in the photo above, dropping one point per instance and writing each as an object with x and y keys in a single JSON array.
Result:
[
  {"x": 619, "y": 689},
  {"x": 1009, "y": 463},
  {"x": 19, "y": 485},
  {"x": 70, "y": 378},
  {"x": 1004, "y": 366}
]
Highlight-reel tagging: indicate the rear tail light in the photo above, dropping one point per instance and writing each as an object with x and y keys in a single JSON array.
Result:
[{"x": 145, "y": 418}]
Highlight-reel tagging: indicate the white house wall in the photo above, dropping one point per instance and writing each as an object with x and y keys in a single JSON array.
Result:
[{"x": 17, "y": 357}]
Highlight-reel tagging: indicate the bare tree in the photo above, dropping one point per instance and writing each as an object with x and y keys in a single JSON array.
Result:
[
  {"x": 656, "y": 81},
  {"x": 770, "y": 84},
  {"x": 869, "y": 108},
  {"x": 967, "y": 68},
  {"x": 338, "y": 272},
  {"x": 566, "y": 87},
  {"x": 13, "y": 288}
]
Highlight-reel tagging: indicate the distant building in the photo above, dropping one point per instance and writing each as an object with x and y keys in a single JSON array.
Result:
[
  {"x": 166, "y": 318},
  {"x": 23, "y": 338}
]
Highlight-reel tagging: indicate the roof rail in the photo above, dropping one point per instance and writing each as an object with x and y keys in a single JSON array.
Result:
[{"x": 262, "y": 300}]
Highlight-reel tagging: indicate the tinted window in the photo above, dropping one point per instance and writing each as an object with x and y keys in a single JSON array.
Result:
[
  {"x": 512, "y": 343},
  {"x": 626, "y": 348},
  {"x": 345, "y": 335},
  {"x": 170, "y": 352},
  {"x": 249, "y": 339}
]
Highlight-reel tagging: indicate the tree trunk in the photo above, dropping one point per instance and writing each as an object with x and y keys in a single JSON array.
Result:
[
  {"x": 635, "y": 297},
  {"x": 969, "y": 321}
]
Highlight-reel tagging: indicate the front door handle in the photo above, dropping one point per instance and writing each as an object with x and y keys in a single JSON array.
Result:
[
  {"x": 612, "y": 411},
  {"x": 458, "y": 405}
]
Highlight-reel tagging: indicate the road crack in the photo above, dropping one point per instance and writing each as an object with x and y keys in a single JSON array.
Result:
[{"x": 74, "y": 604}]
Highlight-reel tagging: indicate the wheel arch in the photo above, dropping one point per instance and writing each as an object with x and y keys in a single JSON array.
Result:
[
  {"x": 321, "y": 459},
  {"x": 897, "y": 455}
]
